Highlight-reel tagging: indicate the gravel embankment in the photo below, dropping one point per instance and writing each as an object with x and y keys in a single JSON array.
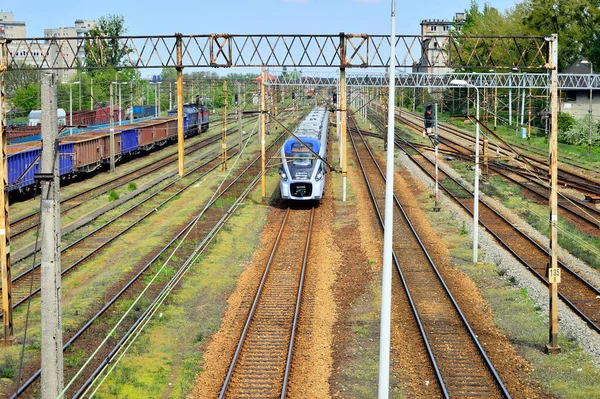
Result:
[{"x": 569, "y": 324}]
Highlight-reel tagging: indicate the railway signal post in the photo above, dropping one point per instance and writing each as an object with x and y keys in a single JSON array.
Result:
[{"x": 431, "y": 127}]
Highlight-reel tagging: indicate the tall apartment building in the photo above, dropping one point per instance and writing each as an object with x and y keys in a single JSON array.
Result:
[
  {"x": 434, "y": 55},
  {"x": 9, "y": 28},
  {"x": 70, "y": 48}
]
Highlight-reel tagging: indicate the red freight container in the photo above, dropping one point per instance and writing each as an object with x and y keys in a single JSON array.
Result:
[
  {"x": 153, "y": 132},
  {"x": 82, "y": 118},
  {"x": 31, "y": 145},
  {"x": 13, "y": 133},
  {"x": 103, "y": 114},
  {"x": 91, "y": 149}
]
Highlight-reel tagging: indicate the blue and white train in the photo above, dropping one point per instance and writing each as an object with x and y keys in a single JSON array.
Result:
[{"x": 302, "y": 174}]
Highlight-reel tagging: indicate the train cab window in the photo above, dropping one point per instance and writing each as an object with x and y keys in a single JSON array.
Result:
[{"x": 302, "y": 157}]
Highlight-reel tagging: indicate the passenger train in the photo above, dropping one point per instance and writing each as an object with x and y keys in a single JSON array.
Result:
[{"x": 302, "y": 174}]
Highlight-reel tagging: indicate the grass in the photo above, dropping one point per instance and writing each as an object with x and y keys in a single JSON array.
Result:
[
  {"x": 168, "y": 356},
  {"x": 539, "y": 142}
]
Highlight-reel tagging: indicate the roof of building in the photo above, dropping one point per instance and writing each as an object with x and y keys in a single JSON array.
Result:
[{"x": 580, "y": 66}]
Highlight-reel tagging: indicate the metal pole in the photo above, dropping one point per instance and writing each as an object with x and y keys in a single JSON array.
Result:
[
  {"x": 343, "y": 131},
  {"x": 590, "y": 132},
  {"x": 239, "y": 115},
  {"x": 386, "y": 281},
  {"x": 224, "y": 132},
  {"x": 510, "y": 105},
  {"x": 4, "y": 224},
  {"x": 523, "y": 105},
  {"x": 120, "y": 107},
  {"x": 263, "y": 179},
  {"x": 180, "y": 137},
  {"x": 70, "y": 108},
  {"x": 91, "y": 93},
  {"x": 79, "y": 76},
  {"x": 436, "y": 206},
  {"x": 495, "y": 108},
  {"x": 112, "y": 132},
  {"x": 476, "y": 184},
  {"x": 131, "y": 101},
  {"x": 554, "y": 271},
  {"x": 52, "y": 354}
]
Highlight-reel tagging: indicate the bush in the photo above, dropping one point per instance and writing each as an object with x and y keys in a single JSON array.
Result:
[
  {"x": 578, "y": 132},
  {"x": 113, "y": 196}
]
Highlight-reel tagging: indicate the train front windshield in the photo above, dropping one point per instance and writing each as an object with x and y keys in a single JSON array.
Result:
[{"x": 300, "y": 156}]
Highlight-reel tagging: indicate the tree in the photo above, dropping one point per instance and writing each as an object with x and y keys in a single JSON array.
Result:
[
  {"x": 575, "y": 21},
  {"x": 107, "y": 51},
  {"x": 26, "y": 98},
  {"x": 168, "y": 74}
]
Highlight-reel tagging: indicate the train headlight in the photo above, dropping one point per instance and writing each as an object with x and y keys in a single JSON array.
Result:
[
  {"x": 282, "y": 175},
  {"x": 319, "y": 176}
]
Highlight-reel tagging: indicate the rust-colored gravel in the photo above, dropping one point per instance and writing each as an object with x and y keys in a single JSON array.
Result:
[{"x": 348, "y": 273}]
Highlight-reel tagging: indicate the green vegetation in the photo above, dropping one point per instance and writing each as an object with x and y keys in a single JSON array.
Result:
[
  {"x": 113, "y": 196},
  {"x": 132, "y": 186},
  {"x": 577, "y": 23}
]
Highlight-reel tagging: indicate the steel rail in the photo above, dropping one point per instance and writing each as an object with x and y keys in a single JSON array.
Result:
[
  {"x": 543, "y": 279},
  {"x": 472, "y": 335},
  {"x": 113, "y": 300},
  {"x": 288, "y": 362}
]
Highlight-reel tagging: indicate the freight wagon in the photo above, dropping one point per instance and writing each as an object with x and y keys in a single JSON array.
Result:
[{"x": 86, "y": 152}]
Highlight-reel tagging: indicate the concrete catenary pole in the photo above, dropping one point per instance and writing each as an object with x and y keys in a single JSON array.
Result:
[
  {"x": 52, "y": 354},
  {"x": 4, "y": 225},
  {"x": 180, "y": 138},
  {"x": 386, "y": 279},
  {"x": 263, "y": 180},
  {"x": 554, "y": 271},
  {"x": 112, "y": 132}
]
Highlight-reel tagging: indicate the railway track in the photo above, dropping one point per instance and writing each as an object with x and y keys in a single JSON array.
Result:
[
  {"x": 456, "y": 356},
  {"x": 27, "y": 223},
  {"x": 201, "y": 229},
  {"x": 449, "y": 136},
  {"x": 260, "y": 366},
  {"x": 87, "y": 247},
  {"x": 580, "y": 295},
  {"x": 585, "y": 216}
]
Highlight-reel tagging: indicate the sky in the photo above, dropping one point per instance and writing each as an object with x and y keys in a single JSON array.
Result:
[{"x": 150, "y": 17}]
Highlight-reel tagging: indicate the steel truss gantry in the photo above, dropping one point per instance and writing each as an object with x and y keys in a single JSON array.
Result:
[
  {"x": 343, "y": 50},
  {"x": 490, "y": 80}
]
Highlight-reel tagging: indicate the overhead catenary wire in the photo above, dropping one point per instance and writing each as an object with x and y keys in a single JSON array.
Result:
[{"x": 157, "y": 274}]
